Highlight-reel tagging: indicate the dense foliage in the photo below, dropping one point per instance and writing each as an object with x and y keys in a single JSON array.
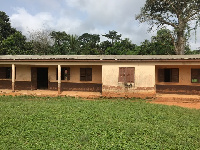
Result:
[
  {"x": 12, "y": 42},
  {"x": 69, "y": 123},
  {"x": 45, "y": 42}
]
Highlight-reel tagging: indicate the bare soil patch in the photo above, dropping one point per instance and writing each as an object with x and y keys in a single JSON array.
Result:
[
  {"x": 89, "y": 95},
  {"x": 188, "y": 101}
]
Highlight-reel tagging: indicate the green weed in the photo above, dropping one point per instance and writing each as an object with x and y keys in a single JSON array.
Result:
[{"x": 28, "y": 122}]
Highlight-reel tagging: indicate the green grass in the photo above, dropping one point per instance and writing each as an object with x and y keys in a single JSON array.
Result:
[{"x": 69, "y": 123}]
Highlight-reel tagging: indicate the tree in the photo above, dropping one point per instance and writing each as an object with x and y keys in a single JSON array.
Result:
[
  {"x": 162, "y": 43},
  {"x": 12, "y": 42},
  {"x": 123, "y": 47},
  {"x": 178, "y": 14},
  {"x": 89, "y": 43},
  {"x": 145, "y": 48},
  {"x": 74, "y": 45},
  {"x": 104, "y": 46},
  {"x": 5, "y": 27},
  {"x": 61, "y": 43},
  {"x": 41, "y": 42},
  {"x": 16, "y": 44},
  {"x": 113, "y": 36}
]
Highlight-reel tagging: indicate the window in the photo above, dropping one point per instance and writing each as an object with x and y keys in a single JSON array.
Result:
[
  {"x": 5, "y": 72},
  {"x": 8, "y": 72},
  {"x": 126, "y": 74},
  {"x": 65, "y": 73},
  {"x": 195, "y": 75},
  {"x": 168, "y": 75},
  {"x": 85, "y": 74}
]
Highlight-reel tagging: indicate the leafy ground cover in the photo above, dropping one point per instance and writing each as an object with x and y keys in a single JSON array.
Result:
[{"x": 68, "y": 123}]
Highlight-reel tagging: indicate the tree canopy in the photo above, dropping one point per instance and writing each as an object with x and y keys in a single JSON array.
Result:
[
  {"x": 47, "y": 42},
  {"x": 12, "y": 42},
  {"x": 178, "y": 14},
  {"x": 5, "y": 27}
]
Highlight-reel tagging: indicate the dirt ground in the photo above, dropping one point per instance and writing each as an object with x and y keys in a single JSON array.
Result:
[
  {"x": 188, "y": 101},
  {"x": 51, "y": 93}
]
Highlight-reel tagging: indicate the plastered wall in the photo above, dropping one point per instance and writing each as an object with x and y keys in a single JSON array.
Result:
[
  {"x": 75, "y": 74},
  {"x": 144, "y": 80},
  {"x": 184, "y": 74},
  {"x": 23, "y": 73},
  {"x": 144, "y": 74}
]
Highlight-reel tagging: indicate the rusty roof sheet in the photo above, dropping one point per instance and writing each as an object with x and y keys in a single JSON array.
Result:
[{"x": 99, "y": 57}]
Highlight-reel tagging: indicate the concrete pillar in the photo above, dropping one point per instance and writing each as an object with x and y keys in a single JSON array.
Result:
[
  {"x": 13, "y": 77},
  {"x": 59, "y": 79}
]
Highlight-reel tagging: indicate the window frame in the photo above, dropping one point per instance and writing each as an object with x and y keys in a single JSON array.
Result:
[
  {"x": 85, "y": 74},
  {"x": 6, "y": 73},
  {"x": 63, "y": 74},
  {"x": 173, "y": 78},
  {"x": 126, "y": 75},
  {"x": 198, "y": 75}
]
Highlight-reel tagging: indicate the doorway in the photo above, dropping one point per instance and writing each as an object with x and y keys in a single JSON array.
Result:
[{"x": 42, "y": 78}]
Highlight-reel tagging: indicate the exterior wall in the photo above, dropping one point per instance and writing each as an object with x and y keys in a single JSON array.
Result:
[
  {"x": 184, "y": 86},
  {"x": 23, "y": 73},
  {"x": 74, "y": 84},
  {"x": 105, "y": 78},
  {"x": 23, "y": 78},
  {"x": 144, "y": 85},
  {"x": 22, "y": 81},
  {"x": 75, "y": 74},
  {"x": 5, "y": 83}
]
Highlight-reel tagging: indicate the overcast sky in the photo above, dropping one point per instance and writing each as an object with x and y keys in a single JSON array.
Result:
[{"x": 81, "y": 16}]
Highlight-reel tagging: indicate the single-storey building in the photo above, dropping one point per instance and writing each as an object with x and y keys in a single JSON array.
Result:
[{"x": 111, "y": 75}]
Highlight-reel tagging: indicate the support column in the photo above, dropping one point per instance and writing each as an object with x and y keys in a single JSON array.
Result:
[
  {"x": 59, "y": 79},
  {"x": 13, "y": 77}
]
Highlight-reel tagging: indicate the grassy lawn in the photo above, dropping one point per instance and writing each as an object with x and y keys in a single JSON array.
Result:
[{"x": 68, "y": 123}]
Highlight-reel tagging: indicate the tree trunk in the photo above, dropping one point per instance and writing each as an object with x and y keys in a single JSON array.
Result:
[
  {"x": 180, "y": 43},
  {"x": 180, "y": 46}
]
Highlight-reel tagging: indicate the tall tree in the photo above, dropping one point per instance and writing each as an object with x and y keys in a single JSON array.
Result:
[
  {"x": 123, "y": 47},
  {"x": 74, "y": 45},
  {"x": 145, "y": 48},
  {"x": 104, "y": 46},
  {"x": 41, "y": 41},
  {"x": 61, "y": 43},
  {"x": 89, "y": 43},
  {"x": 5, "y": 27},
  {"x": 162, "y": 43},
  {"x": 113, "y": 36},
  {"x": 176, "y": 13},
  {"x": 16, "y": 44},
  {"x": 12, "y": 42}
]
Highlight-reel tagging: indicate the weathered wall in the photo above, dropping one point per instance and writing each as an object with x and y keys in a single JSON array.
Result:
[
  {"x": 74, "y": 84},
  {"x": 75, "y": 74},
  {"x": 22, "y": 80},
  {"x": 144, "y": 85},
  {"x": 184, "y": 86},
  {"x": 23, "y": 73}
]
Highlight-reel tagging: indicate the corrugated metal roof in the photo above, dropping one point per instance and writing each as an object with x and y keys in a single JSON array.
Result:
[{"x": 99, "y": 57}]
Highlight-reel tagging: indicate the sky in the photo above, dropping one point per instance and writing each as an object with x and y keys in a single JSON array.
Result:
[{"x": 82, "y": 16}]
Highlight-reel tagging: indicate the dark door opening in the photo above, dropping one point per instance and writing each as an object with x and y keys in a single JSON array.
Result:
[{"x": 42, "y": 78}]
